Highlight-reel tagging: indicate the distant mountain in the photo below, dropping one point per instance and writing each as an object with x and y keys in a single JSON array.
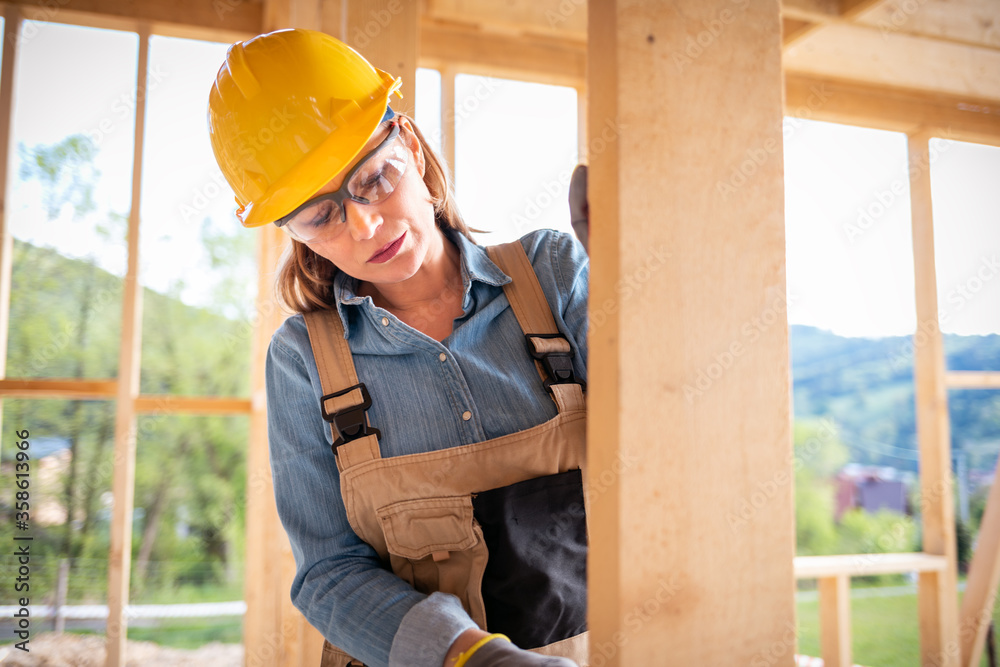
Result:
[{"x": 866, "y": 386}]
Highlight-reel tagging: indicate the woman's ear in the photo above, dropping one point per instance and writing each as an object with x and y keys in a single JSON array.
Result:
[{"x": 410, "y": 139}]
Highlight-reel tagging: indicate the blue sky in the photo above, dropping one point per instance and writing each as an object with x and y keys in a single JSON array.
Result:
[{"x": 849, "y": 253}]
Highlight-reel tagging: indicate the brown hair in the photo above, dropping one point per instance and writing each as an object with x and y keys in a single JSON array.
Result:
[{"x": 305, "y": 280}]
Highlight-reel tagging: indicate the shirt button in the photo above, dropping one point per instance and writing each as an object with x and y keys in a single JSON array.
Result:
[
  {"x": 466, "y": 415},
  {"x": 443, "y": 357},
  {"x": 385, "y": 321}
]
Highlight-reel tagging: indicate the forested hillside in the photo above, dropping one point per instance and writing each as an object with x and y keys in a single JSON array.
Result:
[
  {"x": 866, "y": 385},
  {"x": 190, "y": 477}
]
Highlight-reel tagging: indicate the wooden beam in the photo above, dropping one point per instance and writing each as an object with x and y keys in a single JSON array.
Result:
[
  {"x": 981, "y": 584},
  {"x": 58, "y": 388},
  {"x": 937, "y": 593},
  {"x": 123, "y": 476},
  {"x": 971, "y": 22},
  {"x": 220, "y": 20},
  {"x": 865, "y": 54},
  {"x": 387, "y": 33},
  {"x": 835, "y": 620},
  {"x": 472, "y": 51},
  {"x": 892, "y": 109},
  {"x": 972, "y": 380},
  {"x": 670, "y": 295},
  {"x": 216, "y": 405},
  {"x": 558, "y": 18},
  {"x": 11, "y": 28},
  {"x": 818, "y": 567},
  {"x": 448, "y": 118}
]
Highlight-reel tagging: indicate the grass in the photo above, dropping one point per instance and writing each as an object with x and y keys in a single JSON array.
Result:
[{"x": 884, "y": 630}]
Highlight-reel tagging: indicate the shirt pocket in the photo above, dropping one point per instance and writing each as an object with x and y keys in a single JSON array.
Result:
[{"x": 436, "y": 544}]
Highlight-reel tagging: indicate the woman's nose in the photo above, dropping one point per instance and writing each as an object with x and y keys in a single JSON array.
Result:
[{"x": 363, "y": 220}]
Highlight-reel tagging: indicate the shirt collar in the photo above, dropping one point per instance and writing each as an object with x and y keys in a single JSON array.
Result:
[{"x": 476, "y": 265}]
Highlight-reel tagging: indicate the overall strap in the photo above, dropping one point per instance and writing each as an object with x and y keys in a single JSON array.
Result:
[
  {"x": 547, "y": 345},
  {"x": 344, "y": 400}
]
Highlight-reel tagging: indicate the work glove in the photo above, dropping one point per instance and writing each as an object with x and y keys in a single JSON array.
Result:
[
  {"x": 501, "y": 653},
  {"x": 579, "y": 209}
]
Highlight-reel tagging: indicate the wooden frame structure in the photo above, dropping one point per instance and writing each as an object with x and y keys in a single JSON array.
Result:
[{"x": 937, "y": 74}]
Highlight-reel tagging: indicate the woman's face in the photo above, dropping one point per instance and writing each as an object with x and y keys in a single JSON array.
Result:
[{"x": 385, "y": 242}]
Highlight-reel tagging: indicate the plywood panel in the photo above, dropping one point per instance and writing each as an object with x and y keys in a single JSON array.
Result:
[{"x": 688, "y": 281}]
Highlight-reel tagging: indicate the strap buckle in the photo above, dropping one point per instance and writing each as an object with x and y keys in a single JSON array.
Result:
[
  {"x": 349, "y": 423},
  {"x": 558, "y": 365}
]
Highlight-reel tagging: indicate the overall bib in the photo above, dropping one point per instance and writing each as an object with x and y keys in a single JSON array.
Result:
[{"x": 501, "y": 524}]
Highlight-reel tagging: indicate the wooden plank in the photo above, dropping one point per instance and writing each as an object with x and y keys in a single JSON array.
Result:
[
  {"x": 892, "y": 109},
  {"x": 58, "y": 388},
  {"x": 981, "y": 584},
  {"x": 123, "y": 476},
  {"x": 448, "y": 118},
  {"x": 670, "y": 574},
  {"x": 938, "y": 612},
  {"x": 972, "y": 22},
  {"x": 861, "y": 53},
  {"x": 835, "y": 620},
  {"x": 972, "y": 379},
  {"x": 562, "y": 18},
  {"x": 818, "y": 567},
  {"x": 540, "y": 59},
  {"x": 219, "y": 20},
  {"x": 205, "y": 405},
  {"x": 11, "y": 28},
  {"x": 387, "y": 33}
]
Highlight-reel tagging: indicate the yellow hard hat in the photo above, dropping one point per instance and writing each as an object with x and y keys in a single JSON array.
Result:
[{"x": 288, "y": 111}]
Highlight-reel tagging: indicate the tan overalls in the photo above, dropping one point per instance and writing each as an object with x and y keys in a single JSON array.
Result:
[{"x": 437, "y": 517}]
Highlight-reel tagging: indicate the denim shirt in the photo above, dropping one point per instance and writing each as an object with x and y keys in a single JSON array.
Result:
[{"x": 421, "y": 390}]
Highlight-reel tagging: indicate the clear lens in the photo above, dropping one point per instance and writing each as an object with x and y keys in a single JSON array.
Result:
[
  {"x": 312, "y": 221},
  {"x": 378, "y": 177},
  {"x": 374, "y": 179}
]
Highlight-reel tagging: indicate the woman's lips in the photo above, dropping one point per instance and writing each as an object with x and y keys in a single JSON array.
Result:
[{"x": 387, "y": 251}]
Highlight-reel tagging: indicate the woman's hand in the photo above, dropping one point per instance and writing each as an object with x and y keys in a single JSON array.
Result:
[{"x": 498, "y": 652}]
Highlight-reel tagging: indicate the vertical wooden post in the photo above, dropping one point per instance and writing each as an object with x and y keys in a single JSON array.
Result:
[
  {"x": 386, "y": 33},
  {"x": 11, "y": 29},
  {"x": 123, "y": 476},
  {"x": 981, "y": 588},
  {"x": 689, "y": 443},
  {"x": 448, "y": 117},
  {"x": 937, "y": 594},
  {"x": 835, "y": 620}
]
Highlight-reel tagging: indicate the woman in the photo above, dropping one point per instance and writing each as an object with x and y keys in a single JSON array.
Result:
[{"x": 446, "y": 526}]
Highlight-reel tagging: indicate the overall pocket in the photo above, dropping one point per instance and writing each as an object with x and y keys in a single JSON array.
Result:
[
  {"x": 535, "y": 584},
  {"x": 435, "y": 544}
]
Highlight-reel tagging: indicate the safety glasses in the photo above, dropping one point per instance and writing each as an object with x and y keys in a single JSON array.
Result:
[{"x": 371, "y": 180}]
